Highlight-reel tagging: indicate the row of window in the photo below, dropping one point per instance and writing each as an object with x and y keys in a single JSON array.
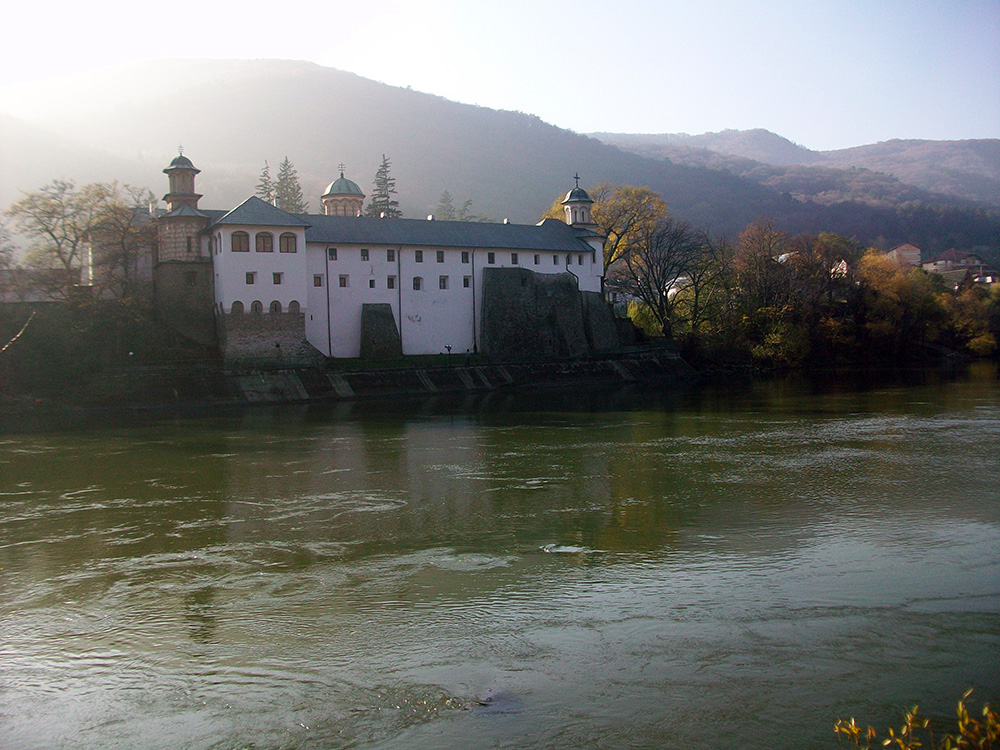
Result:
[
  {"x": 256, "y": 307},
  {"x": 276, "y": 278},
  {"x": 491, "y": 257},
  {"x": 344, "y": 281},
  {"x": 264, "y": 242}
]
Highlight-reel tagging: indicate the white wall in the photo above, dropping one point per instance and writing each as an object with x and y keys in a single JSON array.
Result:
[
  {"x": 428, "y": 319},
  {"x": 231, "y": 270}
]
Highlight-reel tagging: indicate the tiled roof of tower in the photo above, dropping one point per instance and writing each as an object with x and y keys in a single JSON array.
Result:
[
  {"x": 255, "y": 212},
  {"x": 551, "y": 234}
]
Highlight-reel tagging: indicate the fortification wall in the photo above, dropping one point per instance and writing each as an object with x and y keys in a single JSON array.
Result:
[
  {"x": 264, "y": 336},
  {"x": 528, "y": 316},
  {"x": 185, "y": 299}
]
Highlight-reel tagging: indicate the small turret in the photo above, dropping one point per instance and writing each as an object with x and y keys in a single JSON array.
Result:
[
  {"x": 577, "y": 205},
  {"x": 181, "y": 173}
]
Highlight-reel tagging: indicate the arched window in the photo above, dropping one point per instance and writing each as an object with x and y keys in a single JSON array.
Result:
[
  {"x": 417, "y": 283},
  {"x": 241, "y": 242},
  {"x": 293, "y": 307},
  {"x": 265, "y": 242},
  {"x": 275, "y": 308},
  {"x": 288, "y": 243},
  {"x": 256, "y": 307},
  {"x": 236, "y": 309}
]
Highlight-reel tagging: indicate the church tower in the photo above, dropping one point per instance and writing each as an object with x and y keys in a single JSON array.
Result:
[
  {"x": 343, "y": 197},
  {"x": 182, "y": 263},
  {"x": 181, "y": 174},
  {"x": 577, "y": 205}
]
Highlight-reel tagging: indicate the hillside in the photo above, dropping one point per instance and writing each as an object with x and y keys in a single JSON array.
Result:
[
  {"x": 924, "y": 170},
  {"x": 231, "y": 116}
]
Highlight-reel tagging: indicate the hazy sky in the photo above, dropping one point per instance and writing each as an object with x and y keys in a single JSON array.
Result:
[{"x": 825, "y": 73}]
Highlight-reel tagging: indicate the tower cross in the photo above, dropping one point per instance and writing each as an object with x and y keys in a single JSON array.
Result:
[{"x": 577, "y": 178}]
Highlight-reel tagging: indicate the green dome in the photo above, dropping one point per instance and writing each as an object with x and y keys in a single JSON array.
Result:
[{"x": 343, "y": 186}]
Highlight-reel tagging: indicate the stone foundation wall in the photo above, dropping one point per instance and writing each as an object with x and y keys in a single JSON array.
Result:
[
  {"x": 528, "y": 316},
  {"x": 185, "y": 299},
  {"x": 264, "y": 336}
]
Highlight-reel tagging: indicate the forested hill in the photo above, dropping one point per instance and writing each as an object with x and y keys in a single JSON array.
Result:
[
  {"x": 896, "y": 170},
  {"x": 231, "y": 116}
]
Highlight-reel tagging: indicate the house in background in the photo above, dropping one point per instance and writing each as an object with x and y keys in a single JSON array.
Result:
[
  {"x": 906, "y": 255},
  {"x": 957, "y": 266}
]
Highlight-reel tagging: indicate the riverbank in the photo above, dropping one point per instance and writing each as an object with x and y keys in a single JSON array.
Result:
[{"x": 197, "y": 386}]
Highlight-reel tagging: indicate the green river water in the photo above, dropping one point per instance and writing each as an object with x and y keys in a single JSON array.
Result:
[{"x": 728, "y": 566}]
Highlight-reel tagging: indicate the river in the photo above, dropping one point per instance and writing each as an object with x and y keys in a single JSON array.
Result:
[{"x": 725, "y": 566}]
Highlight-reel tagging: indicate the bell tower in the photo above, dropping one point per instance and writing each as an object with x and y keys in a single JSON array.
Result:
[
  {"x": 577, "y": 205},
  {"x": 181, "y": 174}
]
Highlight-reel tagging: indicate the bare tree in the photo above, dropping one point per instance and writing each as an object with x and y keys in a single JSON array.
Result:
[{"x": 659, "y": 256}]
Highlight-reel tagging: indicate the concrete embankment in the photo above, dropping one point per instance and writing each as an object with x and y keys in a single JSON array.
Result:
[
  {"x": 193, "y": 388},
  {"x": 311, "y": 385},
  {"x": 152, "y": 387}
]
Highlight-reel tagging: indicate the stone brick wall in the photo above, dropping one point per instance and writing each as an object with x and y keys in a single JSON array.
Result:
[
  {"x": 265, "y": 335},
  {"x": 185, "y": 298},
  {"x": 529, "y": 316},
  {"x": 172, "y": 238}
]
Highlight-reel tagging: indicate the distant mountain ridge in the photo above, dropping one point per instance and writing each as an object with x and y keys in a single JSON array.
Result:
[
  {"x": 230, "y": 116},
  {"x": 960, "y": 169}
]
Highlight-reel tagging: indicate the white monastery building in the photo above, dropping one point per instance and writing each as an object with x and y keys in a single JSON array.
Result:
[{"x": 275, "y": 276}]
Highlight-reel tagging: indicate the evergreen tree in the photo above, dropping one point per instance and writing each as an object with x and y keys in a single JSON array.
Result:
[
  {"x": 445, "y": 210},
  {"x": 381, "y": 202},
  {"x": 265, "y": 187},
  {"x": 288, "y": 191}
]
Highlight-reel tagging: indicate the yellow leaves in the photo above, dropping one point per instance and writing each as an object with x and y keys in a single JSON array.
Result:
[{"x": 973, "y": 734}]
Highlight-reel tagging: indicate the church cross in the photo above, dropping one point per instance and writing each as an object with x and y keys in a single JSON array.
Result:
[{"x": 577, "y": 178}]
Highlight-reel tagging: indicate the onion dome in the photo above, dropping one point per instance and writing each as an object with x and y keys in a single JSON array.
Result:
[{"x": 343, "y": 186}]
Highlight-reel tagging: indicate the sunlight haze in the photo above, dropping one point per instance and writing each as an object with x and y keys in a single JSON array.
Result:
[{"x": 824, "y": 74}]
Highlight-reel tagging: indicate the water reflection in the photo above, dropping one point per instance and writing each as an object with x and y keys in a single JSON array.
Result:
[{"x": 622, "y": 564}]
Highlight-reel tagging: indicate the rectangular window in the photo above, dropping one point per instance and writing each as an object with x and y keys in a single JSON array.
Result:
[
  {"x": 491, "y": 258},
  {"x": 513, "y": 259},
  {"x": 579, "y": 260},
  {"x": 190, "y": 245},
  {"x": 418, "y": 256},
  {"x": 417, "y": 283},
  {"x": 276, "y": 278},
  {"x": 371, "y": 283},
  {"x": 332, "y": 253},
  {"x": 555, "y": 260},
  {"x": 364, "y": 254},
  {"x": 442, "y": 282},
  {"x": 251, "y": 277},
  {"x": 390, "y": 255},
  {"x": 390, "y": 283},
  {"x": 317, "y": 280},
  {"x": 538, "y": 259},
  {"x": 467, "y": 282},
  {"x": 344, "y": 280},
  {"x": 440, "y": 256},
  {"x": 465, "y": 256}
]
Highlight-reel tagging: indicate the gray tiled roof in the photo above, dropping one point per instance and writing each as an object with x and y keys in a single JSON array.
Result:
[
  {"x": 186, "y": 210},
  {"x": 551, "y": 234},
  {"x": 255, "y": 212}
]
